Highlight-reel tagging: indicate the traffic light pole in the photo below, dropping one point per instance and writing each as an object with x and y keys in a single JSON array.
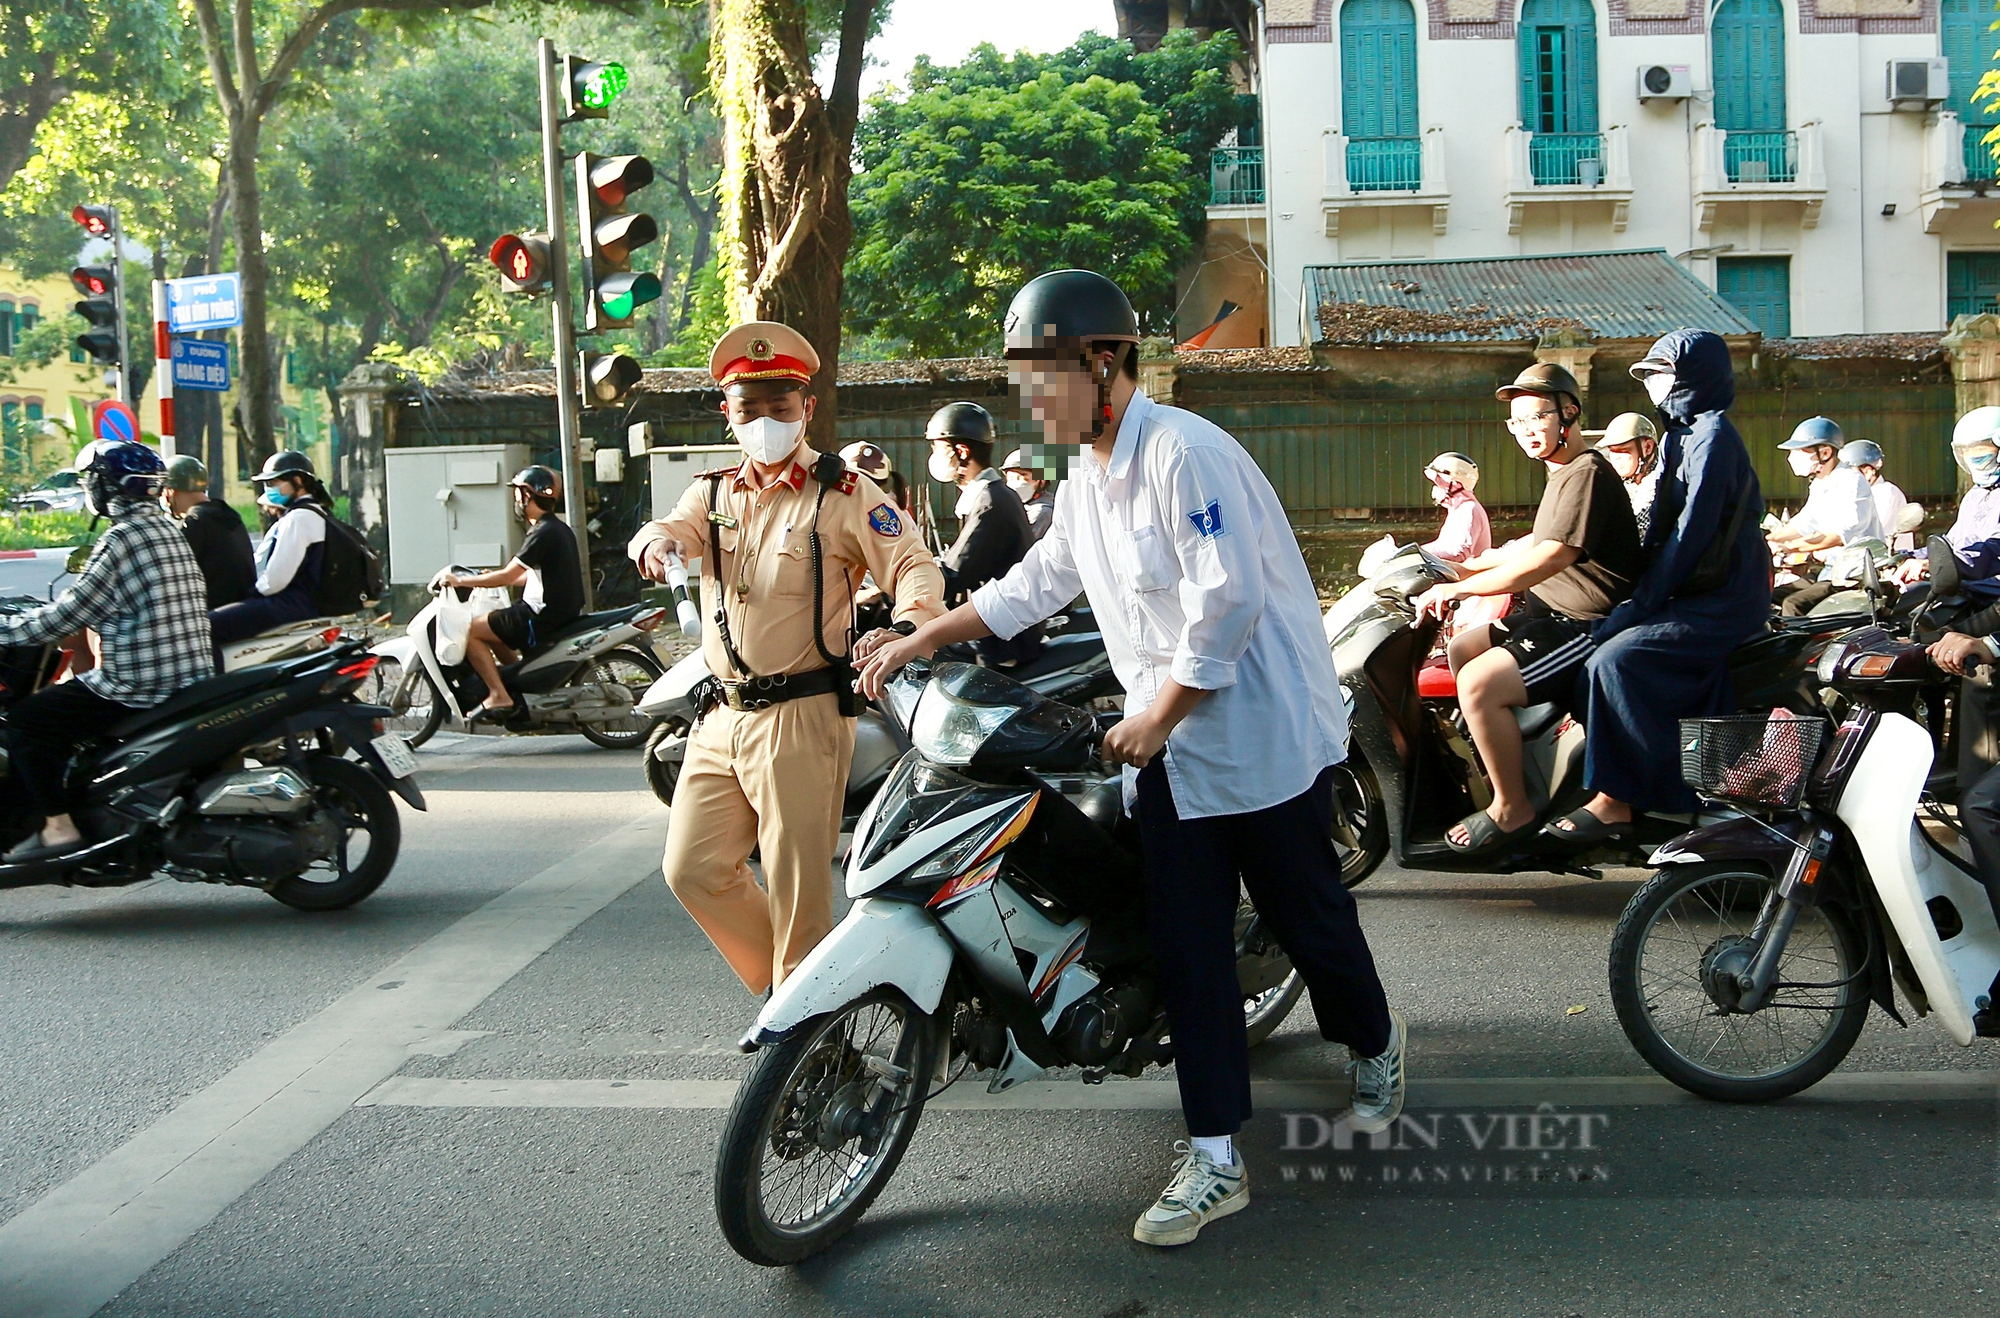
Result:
[
  {"x": 568, "y": 421},
  {"x": 118, "y": 291}
]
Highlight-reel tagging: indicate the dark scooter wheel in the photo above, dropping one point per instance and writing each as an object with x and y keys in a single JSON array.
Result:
[
  {"x": 634, "y": 669},
  {"x": 364, "y": 815},
  {"x": 663, "y": 775},
  {"x": 1678, "y": 947},
  {"x": 817, "y": 1130},
  {"x": 1357, "y": 798}
]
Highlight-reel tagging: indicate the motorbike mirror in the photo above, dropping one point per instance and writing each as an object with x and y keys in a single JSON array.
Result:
[
  {"x": 1910, "y": 518},
  {"x": 1944, "y": 568},
  {"x": 78, "y": 557}
]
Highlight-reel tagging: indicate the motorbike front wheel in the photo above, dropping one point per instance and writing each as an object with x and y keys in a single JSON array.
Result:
[
  {"x": 819, "y": 1125},
  {"x": 1681, "y": 941},
  {"x": 635, "y": 670},
  {"x": 368, "y": 834},
  {"x": 1357, "y": 800},
  {"x": 424, "y": 715}
]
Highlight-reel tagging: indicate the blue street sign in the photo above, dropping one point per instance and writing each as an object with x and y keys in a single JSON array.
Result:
[
  {"x": 200, "y": 364},
  {"x": 204, "y": 302}
]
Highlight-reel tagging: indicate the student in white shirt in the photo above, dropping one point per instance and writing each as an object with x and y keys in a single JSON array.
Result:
[
  {"x": 1234, "y": 717},
  {"x": 1865, "y": 456},
  {"x": 1839, "y": 511}
]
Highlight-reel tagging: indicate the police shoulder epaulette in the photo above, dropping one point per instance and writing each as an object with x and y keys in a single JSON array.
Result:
[{"x": 848, "y": 481}]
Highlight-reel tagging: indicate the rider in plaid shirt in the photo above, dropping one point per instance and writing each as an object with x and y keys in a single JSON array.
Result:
[{"x": 144, "y": 594}]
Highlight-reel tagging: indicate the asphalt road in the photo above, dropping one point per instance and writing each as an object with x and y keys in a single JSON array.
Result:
[{"x": 496, "y": 1086}]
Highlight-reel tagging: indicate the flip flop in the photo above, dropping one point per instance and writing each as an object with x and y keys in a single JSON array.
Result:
[
  {"x": 1483, "y": 835},
  {"x": 1586, "y": 829},
  {"x": 34, "y": 849},
  {"x": 494, "y": 713}
]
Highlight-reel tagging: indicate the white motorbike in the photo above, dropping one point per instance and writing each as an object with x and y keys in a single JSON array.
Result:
[
  {"x": 293, "y": 639},
  {"x": 998, "y": 922},
  {"x": 1744, "y": 969},
  {"x": 587, "y": 677}
]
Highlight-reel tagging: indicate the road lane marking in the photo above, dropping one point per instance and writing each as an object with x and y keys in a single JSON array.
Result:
[
  {"x": 1164, "y": 1095},
  {"x": 74, "y": 1249}
]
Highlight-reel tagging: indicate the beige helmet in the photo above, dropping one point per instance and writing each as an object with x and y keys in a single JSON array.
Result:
[
  {"x": 1625, "y": 428},
  {"x": 1449, "y": 468},
  {"x": 868, "y": 459}
]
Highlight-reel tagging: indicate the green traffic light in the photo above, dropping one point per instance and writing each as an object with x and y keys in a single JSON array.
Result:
[
  {"x": 600, "y": 84},
  {"x": 622, "y": 294}
]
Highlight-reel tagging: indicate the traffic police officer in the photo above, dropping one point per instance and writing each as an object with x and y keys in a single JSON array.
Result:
[{"x": 767, "y": 763}]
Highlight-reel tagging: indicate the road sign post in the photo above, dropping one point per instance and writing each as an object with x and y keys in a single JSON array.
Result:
[
  {"x": 163, "y": 370},
  {"x": 550, "y": 68}
]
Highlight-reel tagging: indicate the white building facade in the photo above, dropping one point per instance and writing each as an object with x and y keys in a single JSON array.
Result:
[{"x": 1816, "y": 162}]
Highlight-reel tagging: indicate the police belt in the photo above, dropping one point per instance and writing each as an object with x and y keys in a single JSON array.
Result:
[{"x": 755, "y": 693}]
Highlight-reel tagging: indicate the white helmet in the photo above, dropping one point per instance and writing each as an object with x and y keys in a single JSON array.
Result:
[
  {"x": 1446, "y": 468},
  {"x": 1978, "y": 429}
]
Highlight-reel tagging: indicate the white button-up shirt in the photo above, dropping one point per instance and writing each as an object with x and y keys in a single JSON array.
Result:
[{"x": 1192, "y": 569}]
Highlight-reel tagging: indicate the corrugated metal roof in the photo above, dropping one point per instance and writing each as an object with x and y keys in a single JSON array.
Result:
[{"x": 1511, "y": 299}]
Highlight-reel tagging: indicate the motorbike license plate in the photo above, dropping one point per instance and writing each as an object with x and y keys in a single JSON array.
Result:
[{"x": 396, "y": 754}]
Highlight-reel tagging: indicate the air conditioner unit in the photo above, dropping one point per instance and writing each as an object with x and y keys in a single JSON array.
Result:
[
  {"x": 1919, "y": 84},
  {"x": 1665, "y": 82}
]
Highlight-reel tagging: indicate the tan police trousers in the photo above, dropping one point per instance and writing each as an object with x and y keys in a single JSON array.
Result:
[{"x": 774, "y": 779}]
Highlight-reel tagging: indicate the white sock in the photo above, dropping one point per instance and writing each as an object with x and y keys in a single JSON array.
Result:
[{"x": 1221, "y": 1149}]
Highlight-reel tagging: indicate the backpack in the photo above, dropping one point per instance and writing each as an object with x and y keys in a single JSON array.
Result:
[{"x": 349, "y": 571}]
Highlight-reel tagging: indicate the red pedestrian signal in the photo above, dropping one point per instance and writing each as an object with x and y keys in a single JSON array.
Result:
[
  {"x": 97, "y": 220},
  {"x": 523, "y": 261},
  {"x": 94, "y": 280}
]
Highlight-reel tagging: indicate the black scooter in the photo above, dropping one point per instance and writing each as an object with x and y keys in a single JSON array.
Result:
[{"x": 240, "y": 779}]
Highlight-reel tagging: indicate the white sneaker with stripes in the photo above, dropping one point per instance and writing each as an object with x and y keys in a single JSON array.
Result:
[
  {"x": 1199, "y": 1193},
  {"x": 1378, "y": 1083}
]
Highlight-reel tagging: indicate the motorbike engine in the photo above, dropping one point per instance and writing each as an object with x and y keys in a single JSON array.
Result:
[
  {"x": 235, "y": 849},
  {"x": 1098, "y": 1026}
]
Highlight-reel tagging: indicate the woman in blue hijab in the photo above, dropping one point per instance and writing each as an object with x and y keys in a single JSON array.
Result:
[{"x": 1663, "y": 654}]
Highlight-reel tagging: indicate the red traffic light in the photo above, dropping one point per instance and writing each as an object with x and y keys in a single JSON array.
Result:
[
  {"x": 96, "y": 219},
  {"x": 614, "y": 178},
  {"x": 523, "y": 260},
  {"x": 95, "y": 280}
]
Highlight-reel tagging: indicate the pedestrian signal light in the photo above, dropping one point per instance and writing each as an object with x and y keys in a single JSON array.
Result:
[
  {"x": 590, "y": 86},
  {"x": 523, "y": 260},
  {"x": 609, "y": 234},
  {"x": 95, "y": 280},
  {"x": 99, "y": 309},
  {"x": 96, "y": 220},
  {"x": 607, "y": 378}
]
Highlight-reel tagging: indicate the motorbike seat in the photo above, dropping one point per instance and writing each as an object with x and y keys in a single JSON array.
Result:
[
  {"x": 1537, "y": 719},
  {"x": 1058, "y": 652},
  {"x": 584, "y": 622},
  {"x": 211, "y": 691}
]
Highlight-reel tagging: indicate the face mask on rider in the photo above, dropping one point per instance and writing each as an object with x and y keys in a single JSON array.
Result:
[
  {"x": 1802, "y": 461},
  {"x": 943, "y": 470},
  {"x": 1658, "y": 386},
  {"x": 1022, "y": 486},
  {"x": 1983, "y": 465},
  {"x": 277, "y": 498},
  {"x": 767, "y": 439}
]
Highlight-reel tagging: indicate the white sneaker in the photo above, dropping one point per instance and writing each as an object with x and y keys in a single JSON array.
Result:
[
  {"x": 1378, "y": 1083},
  {"x": 1199, "y": 1193}
]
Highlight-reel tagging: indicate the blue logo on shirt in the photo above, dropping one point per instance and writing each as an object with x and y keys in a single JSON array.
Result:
[
  {"x": 1208, "y": 521},
  {"x": 884, "y": 520}
]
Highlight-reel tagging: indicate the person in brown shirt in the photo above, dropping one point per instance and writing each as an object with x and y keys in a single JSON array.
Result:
[
  {"x": 767, "y": 765},
  {"x": 1581, "y": 560}
]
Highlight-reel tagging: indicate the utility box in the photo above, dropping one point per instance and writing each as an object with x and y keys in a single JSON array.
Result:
[
  {"x": 452, "y": 505},
  {"x": 672, "y": 470}
]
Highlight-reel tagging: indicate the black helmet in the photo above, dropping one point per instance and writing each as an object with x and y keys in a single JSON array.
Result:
[
  {"x": 965, "y": 423},
  {"x": 1068, "y": 308},
  {"x": 285, "y": 462},
  {"x": 541, "y": 483}
]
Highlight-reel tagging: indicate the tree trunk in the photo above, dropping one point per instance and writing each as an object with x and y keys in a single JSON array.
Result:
[
  {"x": 255, "y": 384},
  {"x": 785, "y": 168}
]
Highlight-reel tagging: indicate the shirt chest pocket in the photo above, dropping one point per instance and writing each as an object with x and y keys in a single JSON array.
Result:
[
  {"x": 1150, "y": 561},
  {"x": 788, "y": 570}
]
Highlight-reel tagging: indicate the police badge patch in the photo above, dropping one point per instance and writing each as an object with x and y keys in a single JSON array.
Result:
[
  {"x": 1208, "y": 521},
  {"x": 884, "y": 521}
]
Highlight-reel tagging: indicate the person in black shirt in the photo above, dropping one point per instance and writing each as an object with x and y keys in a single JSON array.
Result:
[
  {"x": 214, "y": 532},
  {"x": 1580, "y": 562},
  {"x": 993, "y": 530},
  {"x": 550, "y": 575}
]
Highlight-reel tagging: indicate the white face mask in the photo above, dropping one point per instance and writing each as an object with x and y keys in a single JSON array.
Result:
[
  {"x": 767, "y": 440},
  {"x": 1983, "y": 465},
  {"x": 1022, "y": 486},
  {"x": 1803, "y": 462},
  {"x": 1658, "y": 386},
  {"x": 943, "y": 470}
]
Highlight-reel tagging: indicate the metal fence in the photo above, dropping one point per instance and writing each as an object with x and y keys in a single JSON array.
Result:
[
  {"x": 1236, "y": 176},
  {"x": 1385, "y": 164},
  {"x": 1566, "y": 159},
  {"x": 1979, "y": 163},
  {"x": 1761, "y": 157}
]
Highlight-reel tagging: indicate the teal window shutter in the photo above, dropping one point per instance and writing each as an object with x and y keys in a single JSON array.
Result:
[
  {"x": 1378, "y": 68},
  {"x": 1558, "y": 57},
  {"x": 1761, "y": 288},
  {"x": 1748, "y": 45},
  {"x": 1971, "y": 283}
]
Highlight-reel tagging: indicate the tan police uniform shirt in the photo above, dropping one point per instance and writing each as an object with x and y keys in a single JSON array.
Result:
[{"x": 766, "y": 569}]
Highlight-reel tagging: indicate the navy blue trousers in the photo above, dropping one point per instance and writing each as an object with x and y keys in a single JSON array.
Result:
[
  {"x": 1284, "y": 855},
  {"x": 260, "y": 613}
]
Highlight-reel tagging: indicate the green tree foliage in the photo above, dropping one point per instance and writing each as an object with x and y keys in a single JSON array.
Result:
[
  {"x": 988, "y": 173},
  {"x": 52, "y": 49}
]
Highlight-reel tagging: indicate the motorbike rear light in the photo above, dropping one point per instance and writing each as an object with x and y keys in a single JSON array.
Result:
[
  {"x": 649, "y": 619},
  {"x": 330, "y": 635},
  {"x": 360, "y": 668}
]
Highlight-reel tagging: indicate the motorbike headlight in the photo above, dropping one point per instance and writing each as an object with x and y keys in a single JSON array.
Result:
[
  {"x": 903, "y": 694},
  {"x": 1829, "y": 662},
  {"x": 951, "y": 731}
]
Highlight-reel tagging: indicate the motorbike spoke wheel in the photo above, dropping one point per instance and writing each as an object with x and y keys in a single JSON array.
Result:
[
  {"x": 635, "y": 670},
  {"x": 425, "y": 715},
  {"x": 1357, "y": 800},
  {"x": 663, "y": 775},
  {"x": 816, "y": 1132},
  {"x": 1264, "y": 1011},
  {"x": 1673, "y": 961},
  {"x": 367, "y": 834}
]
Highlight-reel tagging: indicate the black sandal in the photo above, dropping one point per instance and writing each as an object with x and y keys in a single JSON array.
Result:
[
  {"x": 1483, "y": 835},
  {"x": 1587, "y": 830},
  {"x": 494, "y": 713}
]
